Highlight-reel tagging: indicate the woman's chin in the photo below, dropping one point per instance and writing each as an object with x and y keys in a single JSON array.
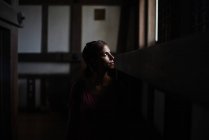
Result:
[{"x": 111, "y": 65}]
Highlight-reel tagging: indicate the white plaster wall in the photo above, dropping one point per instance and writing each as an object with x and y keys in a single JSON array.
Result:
[
  {"x": 43, "y": 68},
  {"x": 58, "y": 28},
  {"x": 29, "y": 37},
  {"x": 106, "y": 30}
]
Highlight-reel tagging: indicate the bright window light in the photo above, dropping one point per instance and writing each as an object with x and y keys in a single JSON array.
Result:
[{"x": 156, "y": 22}]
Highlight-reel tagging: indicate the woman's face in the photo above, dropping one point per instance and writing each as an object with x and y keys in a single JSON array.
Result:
[{"x": 107, "y": 59}]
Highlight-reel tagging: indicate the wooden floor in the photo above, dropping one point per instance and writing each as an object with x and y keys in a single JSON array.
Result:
[
  {"x": 52, "y": 126},
  {"x": 41, "y": 126}
]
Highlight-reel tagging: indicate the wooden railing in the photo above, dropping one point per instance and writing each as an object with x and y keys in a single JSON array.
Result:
[
  {"x": 180, "y": 66},
  {"x": 174, "y": 79}
]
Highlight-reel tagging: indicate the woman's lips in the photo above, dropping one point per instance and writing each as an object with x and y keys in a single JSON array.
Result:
[{"x": 112, "y": 63}]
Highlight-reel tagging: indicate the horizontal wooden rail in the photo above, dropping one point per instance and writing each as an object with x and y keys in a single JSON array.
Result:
[
  {"x": 179, "y": 66},
  {"x": 25, "y": 76},
  {"x": 49, "y": 57},
  {"x": 86, "y": 2}
]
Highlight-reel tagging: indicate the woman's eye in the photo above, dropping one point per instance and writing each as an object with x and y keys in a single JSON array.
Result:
[{"x": 104, "y": 54}]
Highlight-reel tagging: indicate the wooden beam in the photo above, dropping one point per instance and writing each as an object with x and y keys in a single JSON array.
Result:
[
  {"x": 50, "y": 57},
  {"x": 41, "y": 2},
  {"x": 44, "y": 76},
  {"x": 123, "y": 29},
  {"x": 179, "y": 66},
  {"x": 44, "y": 39},
  {"x": 83, "y": 2},
  {"x": 101, "y": 2},
  {"x": 76, "y": 28}
]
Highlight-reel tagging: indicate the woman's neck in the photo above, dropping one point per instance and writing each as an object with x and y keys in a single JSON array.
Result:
[{"x": 100, "y": 79}]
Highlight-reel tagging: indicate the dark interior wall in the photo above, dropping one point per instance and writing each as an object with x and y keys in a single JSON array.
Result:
[
  {"x": 58, "y": 98},
  {"x": 128, "y": 29},
  {"x": 8, "y": 69},
  {"x": 181, "y": 18},
  {"x": 183, "y": 31},
  {"x": 174, "y": 96},
  {"x": 178, "y": 116}
]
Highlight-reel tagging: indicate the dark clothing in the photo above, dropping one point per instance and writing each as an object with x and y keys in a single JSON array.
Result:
[{"x": 94, "y": 116}]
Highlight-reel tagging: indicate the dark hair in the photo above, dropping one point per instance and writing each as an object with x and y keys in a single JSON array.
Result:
[{"x": 92, "y": 50}]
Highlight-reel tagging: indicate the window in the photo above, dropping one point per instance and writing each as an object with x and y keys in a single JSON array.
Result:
[
  {"x": 58, "y": 28},
  {"x": 30, "y": 35},
  {"x": 148, "y": 23}
]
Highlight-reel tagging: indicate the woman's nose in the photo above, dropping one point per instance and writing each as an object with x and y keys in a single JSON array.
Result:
[{"x": 111, "y": 57}]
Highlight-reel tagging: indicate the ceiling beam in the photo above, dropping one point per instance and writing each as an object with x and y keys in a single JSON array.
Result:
[{"x": 69, "y": 2}]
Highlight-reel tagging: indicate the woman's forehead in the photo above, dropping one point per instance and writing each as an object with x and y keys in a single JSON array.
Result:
[{"x": 106, "y": 49}]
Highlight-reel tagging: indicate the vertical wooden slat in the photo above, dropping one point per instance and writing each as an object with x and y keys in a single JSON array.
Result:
[
  {"x": 44, "y": 39},
  {"x": 14, "y": 79},
  {"x": 5, "y": 94},
  {"x": 151, "y": 22},
  {"x": 146, "y": 23},
  {"x": 43, "y": 94},
  {"x": 75, "y": 46},
  {"x": 31, "y": 94},
  {"x": 123, "y": 28}
]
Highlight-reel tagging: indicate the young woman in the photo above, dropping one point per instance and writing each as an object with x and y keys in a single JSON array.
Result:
[{"x": 94, "y": 106}]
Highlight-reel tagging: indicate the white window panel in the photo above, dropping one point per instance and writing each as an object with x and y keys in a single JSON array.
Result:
[
  {"x": 58, "y": 28},
  {"x": 29, "y": 37}
]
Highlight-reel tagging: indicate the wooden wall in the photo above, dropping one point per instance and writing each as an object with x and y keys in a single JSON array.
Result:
[{"x": 173, "y": 75}]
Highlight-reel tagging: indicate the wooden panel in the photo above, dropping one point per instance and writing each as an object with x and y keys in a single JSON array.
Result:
[
  {"x": 5, "y": 86},
  {"x": 75, "y": 28},
  {"x": 8, "y": 69},
  {"x": 179, "y": 66},
  {"x": 39, "y": 76},
  {"x": 44, "y": 42},
  {"x": 128, "y": 27},
  {"x": 123, "y": 29},
  {"x": 75, "y": 47},
  {"x": 102, "y": 2},
  {"x": 39, "y": 2}
]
